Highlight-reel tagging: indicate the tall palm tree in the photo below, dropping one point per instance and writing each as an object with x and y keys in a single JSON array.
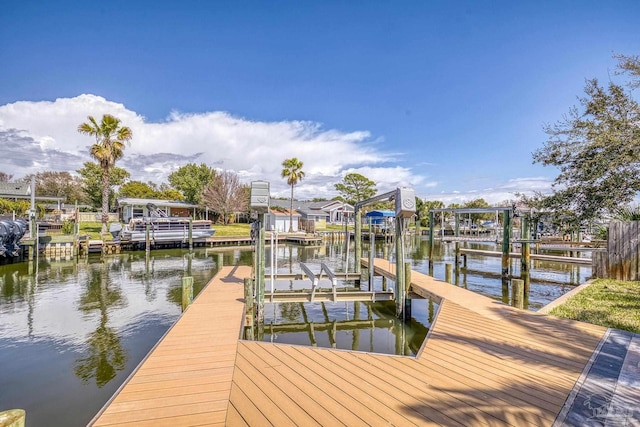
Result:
[
  {"x": 293, "y": 172},
  {"x": 111, "y": 138}
]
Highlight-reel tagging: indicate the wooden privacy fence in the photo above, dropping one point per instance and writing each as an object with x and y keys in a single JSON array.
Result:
[{"x": 620, "y": 261}]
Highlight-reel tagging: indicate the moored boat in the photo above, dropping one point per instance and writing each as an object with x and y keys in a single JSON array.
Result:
[{"x": 164, "y": 229}]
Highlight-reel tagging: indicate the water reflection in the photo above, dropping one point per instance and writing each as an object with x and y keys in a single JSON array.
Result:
[
  {"x": 103, "y": 354},
  {"x": 359, "y": 326},
  {"x": 71, "y": 331}
]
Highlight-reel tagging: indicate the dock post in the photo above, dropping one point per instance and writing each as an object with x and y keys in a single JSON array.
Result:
[
  {"x": 187, "y": 292},
  {"x": 448, "y": 273},
  {"x": 400, "y": 279},
  {"x": 249, "y": 304},
  {"x": 407, "y": 287},
  {"x": 431, "y": 220},
  {"x": 13, "y": 418},
  {"x": 505, "y": 290},
  {"x": 506, "y": 242},
  {"x": 525, "y": 248},
  {"x": 526, "y": 278},
  {"x": 147, "y": 238},
  {"x": 385, "y": 255},
  {"x": 457, "y": 257},
  {"x": 248, "y": 292},
  {"x": 248, "y": 301},
  {"x": 220, "y": 261},
  {"x": 260, "y": 258},
  {"x": 517, "y": 292},
  {"x": 371, "y": 258},
  {"x": 190, "y": 234},
  {"x": 357, "y": 237}
]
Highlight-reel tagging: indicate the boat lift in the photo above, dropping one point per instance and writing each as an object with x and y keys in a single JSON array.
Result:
[
  {"x": 405, "y": 201},
  {"x": 255, "y": 288},
  {"x": 316, "y": 294}
]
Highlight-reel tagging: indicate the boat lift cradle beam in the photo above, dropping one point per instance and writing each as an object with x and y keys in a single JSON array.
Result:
[{"x": 316, "y": 278}]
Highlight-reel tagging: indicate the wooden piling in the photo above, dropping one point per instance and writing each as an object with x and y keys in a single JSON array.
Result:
[
  {"x": 457, "y": 257},
  {"x": 260, "y": 261},
  {"x": 400, "y": 282},
  {"x": 525, "y": 248},
  {"x": 456, "y": 231},
  {"x": 187, "y": 292},
  {"x": 220, "y": 261},
  {"x": 13, "y": 418},
  {"x": 506, "y": 241},
  {"x": 517, "y": 293},
  {"x": 505, "y": 289},
  {"x": 385, "y": 255},
  {"x": 407, "y": 276},
  {"x": 147, "y": 238},
  {"x": 190, "y": 234},
  {"x": 357, "y": 238},
  {"x": 448, "y": 273},
  {"x": 407, "y": 287},
  {"x": 249, "y": 301},
  {"x": 431, "y": 220}
]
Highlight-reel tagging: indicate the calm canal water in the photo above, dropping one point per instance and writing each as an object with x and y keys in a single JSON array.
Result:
[{"x": 71, "y": 332}]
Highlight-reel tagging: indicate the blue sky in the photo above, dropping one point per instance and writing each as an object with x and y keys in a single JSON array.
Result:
[{"x": 447, "y": 97}]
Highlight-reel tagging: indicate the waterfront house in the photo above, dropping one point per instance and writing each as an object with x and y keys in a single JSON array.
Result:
[
  {"x": 318, "y": 213},
  {"x": 15, "y": 190},
  {"x": 277, "y": 219},
  {"x": 129, "y": 207}
]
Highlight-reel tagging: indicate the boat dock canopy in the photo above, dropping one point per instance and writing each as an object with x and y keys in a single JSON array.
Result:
[{"x": 377, "y": 214}]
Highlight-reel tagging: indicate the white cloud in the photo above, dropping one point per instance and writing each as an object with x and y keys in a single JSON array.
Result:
[
  {"x": 254, "y": 149},
  {"x": 42, "y": 136},
  {"x": 498, "y": 194}
]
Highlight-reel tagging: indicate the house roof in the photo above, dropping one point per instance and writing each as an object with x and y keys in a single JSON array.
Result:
[
  {"x": 124, "y": 201},
  {"x": 313, "y": 212},
  {"x": 21, "y": 190},
  {"x": 284, "y": 213},
  {"x": 311, "y": 208},
  {"x": 14, "y": 189}
]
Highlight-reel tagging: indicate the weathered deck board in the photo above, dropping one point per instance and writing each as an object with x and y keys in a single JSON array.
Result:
[{"x": 186, "y": 379}]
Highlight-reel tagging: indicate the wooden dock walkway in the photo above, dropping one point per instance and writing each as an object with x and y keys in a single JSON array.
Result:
[
  {"x": 483, "y": 363},
  {"x": 186, "y": 379}
]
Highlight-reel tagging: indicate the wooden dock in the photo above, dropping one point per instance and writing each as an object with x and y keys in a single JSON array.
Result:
[
  {"x": 535, "y": 257},
  {"x": 483, "y": 363},
  {"x": 186, "y": 379}
]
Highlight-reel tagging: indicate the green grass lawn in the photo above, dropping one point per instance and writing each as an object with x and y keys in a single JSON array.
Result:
[
  {"x": 91, "y": 228},
  {"x": 337, "y": 227},
  {"x": 605, "y": 302},
  {"x": 232, "y": 230}
]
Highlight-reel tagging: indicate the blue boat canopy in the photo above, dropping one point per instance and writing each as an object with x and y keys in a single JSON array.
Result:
[{"x": 380, "y": 214}]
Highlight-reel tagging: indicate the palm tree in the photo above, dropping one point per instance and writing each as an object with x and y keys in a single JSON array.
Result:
[
  {"x": 109, "y": 147},
  {"x": 293, "y": 172}
]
